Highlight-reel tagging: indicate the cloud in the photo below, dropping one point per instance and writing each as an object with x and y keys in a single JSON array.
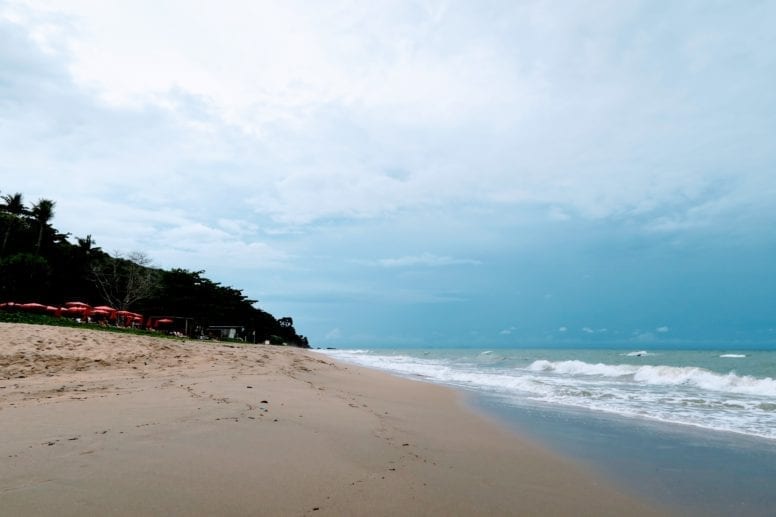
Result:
[
  {"x": 334, "y": 333},
  {"x": 588, "y": 330},
  {"x": 662, "y": 329},
  {"x": 541, "y": 140},
  {"x": 313, "y": 130},
  {"x": 644, "y": 337},
  {"x": 425, "y": 260}
]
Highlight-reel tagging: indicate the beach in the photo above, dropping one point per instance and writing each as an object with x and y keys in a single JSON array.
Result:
[
  {"x": 97, "y": 423},
  {"x": 692, "y": 429}
]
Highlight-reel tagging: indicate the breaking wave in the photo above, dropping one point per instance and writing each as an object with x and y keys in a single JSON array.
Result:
[{"x": 664, "y": 375}]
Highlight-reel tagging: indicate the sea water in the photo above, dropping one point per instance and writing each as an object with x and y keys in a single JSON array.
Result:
[
  {"x": 712, "y": 389},
  {"x": 692, "y": 428}
]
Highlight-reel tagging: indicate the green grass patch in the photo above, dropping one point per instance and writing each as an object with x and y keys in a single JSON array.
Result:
[{"x": 44, "y": 319}]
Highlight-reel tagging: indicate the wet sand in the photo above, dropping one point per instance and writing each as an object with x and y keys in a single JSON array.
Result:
[{"x": 97, "y": 423}]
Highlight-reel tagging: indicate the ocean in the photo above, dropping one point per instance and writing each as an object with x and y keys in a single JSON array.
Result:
[{"x": 694, "y": 429}]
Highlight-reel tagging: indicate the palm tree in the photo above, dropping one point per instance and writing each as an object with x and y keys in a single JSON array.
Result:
[
  {"x": 87, "y": 246},
  {"x": 42, "y": 212},
  {"x": 14, "y": 205}
]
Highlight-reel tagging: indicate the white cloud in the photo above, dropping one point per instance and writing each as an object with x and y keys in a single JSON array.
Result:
[
  {"x": 238, "y": 226},
  {"x": 662, "y": 329},
  {"x": 644, "y": 337},
  {"x": 425, "y": 260},
  {"x": 309, "y": 106},
  {"x": 297, "y": 136},
  {"x": 334, "y": 333},
  {"x": 588, "y": 330}
]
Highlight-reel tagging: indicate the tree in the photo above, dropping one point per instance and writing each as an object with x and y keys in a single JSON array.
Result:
[
  {"x": 14, "y": 206},
  {"x": 24, "y": 277},
  {"x": 123, "y": 281},
  {"x": 86, "y": 247},
  {"x": 42, "y": 212},
  {"x": 38, "y": 263}
]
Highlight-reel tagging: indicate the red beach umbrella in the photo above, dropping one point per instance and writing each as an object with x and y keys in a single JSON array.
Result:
[
  {"x": 77, "y": 304},
  {"x": 127, "y": 316},
  {"x": 56, "y": 311},
  {"x": 109, "y": 311},
  {"x": 33, "y": 307}
]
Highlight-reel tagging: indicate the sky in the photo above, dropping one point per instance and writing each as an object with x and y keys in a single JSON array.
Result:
[{"x": 418, "y": 173}]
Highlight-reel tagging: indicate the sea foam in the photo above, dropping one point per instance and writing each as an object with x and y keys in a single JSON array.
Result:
[
  {"x": 664, "y": 375},
  {"x": 685, "y": 394}
]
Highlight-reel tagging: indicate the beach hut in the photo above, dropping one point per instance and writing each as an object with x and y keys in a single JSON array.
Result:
[
  {"x": 226, "y": 331},
  {"x": 178, "y": 325}
]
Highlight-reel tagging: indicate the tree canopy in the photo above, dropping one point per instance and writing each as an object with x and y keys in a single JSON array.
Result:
[{"x": 39, "y": 264}]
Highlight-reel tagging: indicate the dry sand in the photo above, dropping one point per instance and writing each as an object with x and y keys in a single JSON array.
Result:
[{"x": 97, "y": 423}]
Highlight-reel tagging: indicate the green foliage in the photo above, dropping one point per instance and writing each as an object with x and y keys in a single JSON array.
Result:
[
  {"x": 184, "y": 293},
  {"x": 11, "y": 213},
  {"x": 38, "y": 263},
  {"x": 124, "y": 281},
  {"x": 37, "y": 319},
  {"x": 25, "y": 277},
  {"x": 42, "y": 212}
]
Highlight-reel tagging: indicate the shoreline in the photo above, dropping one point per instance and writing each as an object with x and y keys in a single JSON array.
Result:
[
  {"x": 691, "y": 470},
  {"x": 687, "y": 468},
  {"x": 132, "y": 425}
]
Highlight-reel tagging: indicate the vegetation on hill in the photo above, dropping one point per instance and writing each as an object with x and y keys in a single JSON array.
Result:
[{"x": 38, "y": 263}]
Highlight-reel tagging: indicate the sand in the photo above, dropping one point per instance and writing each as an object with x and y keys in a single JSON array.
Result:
[{"x": 97, "y": 423}]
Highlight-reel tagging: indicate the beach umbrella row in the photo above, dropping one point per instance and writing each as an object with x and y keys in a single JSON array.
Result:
[
  {"x": 28, "y": 307},
  {"x": 77, "y": 309}
]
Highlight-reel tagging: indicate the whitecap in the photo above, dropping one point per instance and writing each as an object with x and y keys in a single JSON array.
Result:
[
  {"x": 582, "y": 368},
  {"x": 663, "y": 375}
]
